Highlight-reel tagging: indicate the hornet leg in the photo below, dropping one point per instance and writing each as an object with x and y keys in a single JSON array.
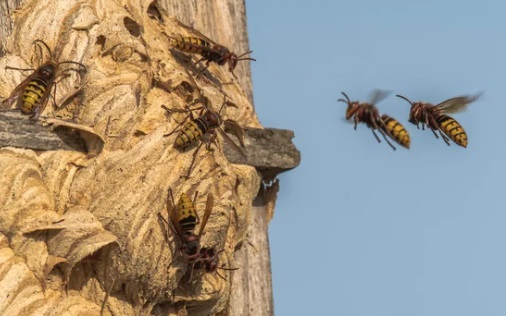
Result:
[
  {"x": 384, "y": 131},
  {"x": 193, "y": 159},
  {"x": 177, "y": 127},
  {"x": 377, "y": 138},
  {"x": 444, "y": 138}
]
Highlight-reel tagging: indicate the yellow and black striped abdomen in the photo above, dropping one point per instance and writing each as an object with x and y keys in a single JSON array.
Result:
[
  {"x": 32, "y": 95},
  {"x": 452, "y": 129},
  {"x": 192, "y": 132},
  {"x": 396, "y": 130},
  {"x": 187, "y": 215},
  {"x": 191, "y": 44}
]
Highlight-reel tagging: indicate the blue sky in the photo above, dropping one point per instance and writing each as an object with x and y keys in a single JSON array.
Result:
[{"x": 360, "y": 229}]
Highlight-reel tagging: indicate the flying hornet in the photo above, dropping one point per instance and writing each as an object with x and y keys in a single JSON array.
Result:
[
  {"x": 196, "y": 129},
  {"x": 209, "y": 51},
  {"x": 435, "y": 118},
  {"x": 32, "y": 94},
  {"x": 368, "y": 113}
]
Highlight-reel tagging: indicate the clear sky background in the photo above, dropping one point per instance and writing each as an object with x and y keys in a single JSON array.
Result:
[{"x": 360, "y": 229}]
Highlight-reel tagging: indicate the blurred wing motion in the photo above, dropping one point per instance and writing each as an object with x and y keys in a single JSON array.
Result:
[
  {"x": 378, "y": 96},
  {"x": 457, "y": 104}
]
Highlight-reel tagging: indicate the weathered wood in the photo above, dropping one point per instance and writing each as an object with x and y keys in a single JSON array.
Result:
[
  {"x": 253, "y": 288},
  {"x": 16, "y": 130},
  {"x": 5, "y": 23},
  {"x": 269, "y": 150},
  {"x": 6, "y": 8}
]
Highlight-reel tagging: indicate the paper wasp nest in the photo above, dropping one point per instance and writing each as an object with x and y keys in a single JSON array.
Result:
[{"x": 75, "y": 228}]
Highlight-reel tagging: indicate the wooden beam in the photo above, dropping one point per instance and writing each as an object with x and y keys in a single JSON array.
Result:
[
  {"x": 270, "y": 150},
  {"x": 17, "y": 130}
]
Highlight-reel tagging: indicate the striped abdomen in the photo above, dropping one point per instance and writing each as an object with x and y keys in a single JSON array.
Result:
[
  {"x": 32, "y": 95},
  {"x": 452, "y": 129},
  {"x": 186, "y": 213},
  {"x": 191, "y": 44},
  {"x": 192, "y": 132},
  {"x": 396, "y": 130}
]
